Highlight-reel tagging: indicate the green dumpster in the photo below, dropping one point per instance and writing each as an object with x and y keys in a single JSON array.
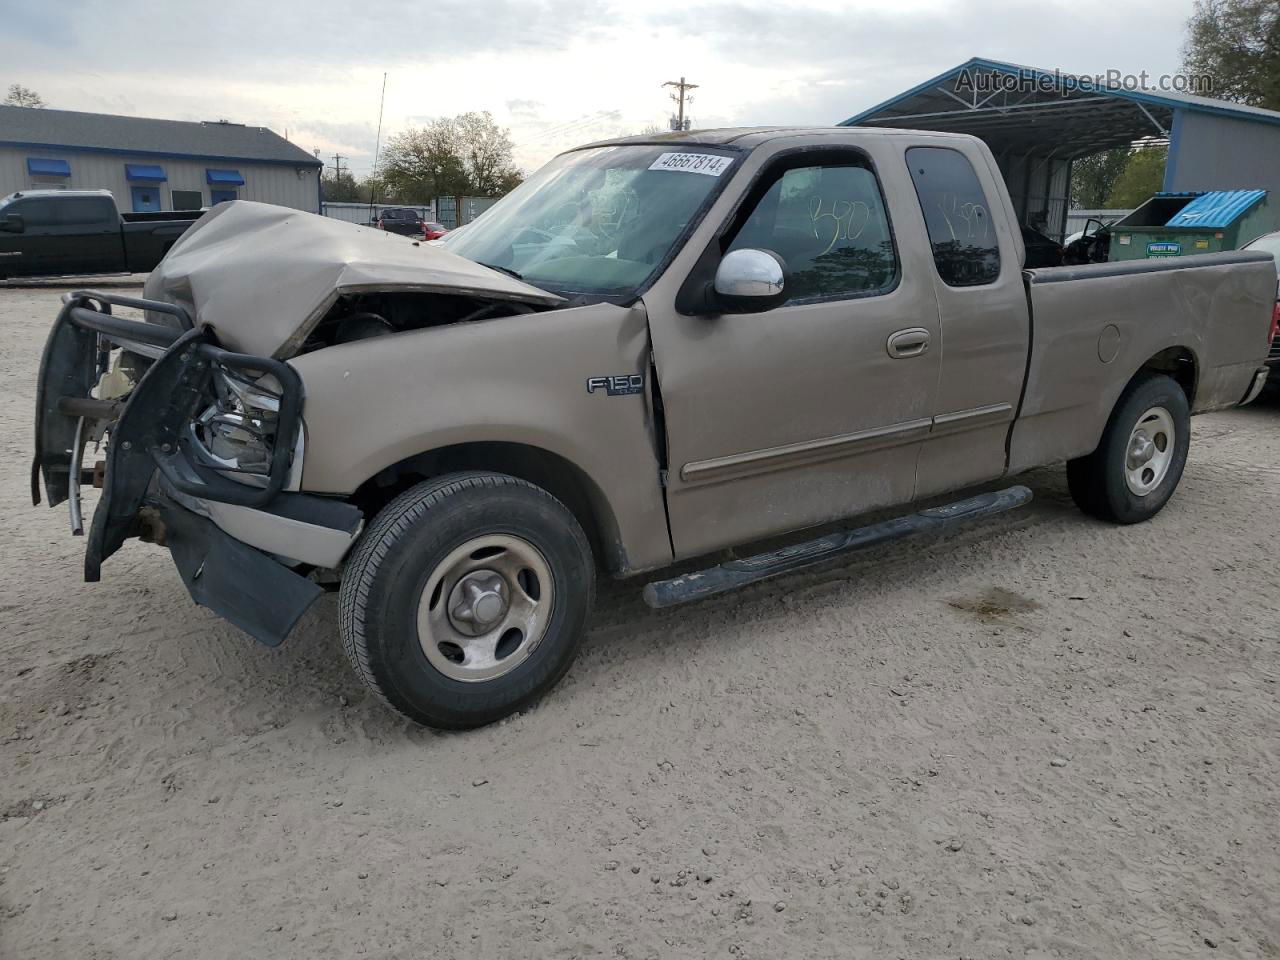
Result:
[{"x": 1182, "y": 224}]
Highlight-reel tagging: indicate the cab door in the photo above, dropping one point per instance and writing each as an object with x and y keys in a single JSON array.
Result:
[
  {"x": 36, "y": 250},
  {"x": 816, "y": 409},
  {"x": 986, "y": 325},
  {"x": 91, "y": 234}
]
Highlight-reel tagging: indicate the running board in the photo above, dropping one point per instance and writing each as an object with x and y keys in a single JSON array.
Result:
[{"x": 738, "y": 573}]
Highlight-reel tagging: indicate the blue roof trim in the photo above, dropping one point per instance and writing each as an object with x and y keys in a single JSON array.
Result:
[
  {"x": 46, "y": 167},
  {"x": 224, "y": 178},
  {"x": 149, "y": 172},
  {"x": 1174, "y": 103},
  {"x": 1217, "y": 209},
  {"x": 165, "y": 155}
]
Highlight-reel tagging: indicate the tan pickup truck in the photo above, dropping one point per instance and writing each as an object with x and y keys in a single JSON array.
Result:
[{"x": 655, "y": 350}]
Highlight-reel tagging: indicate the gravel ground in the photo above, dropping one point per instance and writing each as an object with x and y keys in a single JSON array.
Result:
[{"x": 1039, "y": 737}]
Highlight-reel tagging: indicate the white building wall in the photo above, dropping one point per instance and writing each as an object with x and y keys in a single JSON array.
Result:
[
  {"x": 1208, "y": 152},
  {"x": 286, "y": 185}
]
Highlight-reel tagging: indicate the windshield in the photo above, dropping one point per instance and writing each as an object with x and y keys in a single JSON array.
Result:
[{"x": 596, "y": 221}]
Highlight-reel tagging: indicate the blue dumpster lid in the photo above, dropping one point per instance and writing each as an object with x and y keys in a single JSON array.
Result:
[{"x": 1216, "y": 209}]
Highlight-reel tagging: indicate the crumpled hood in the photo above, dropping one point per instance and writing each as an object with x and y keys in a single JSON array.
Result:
[{"x": 263, "y": 276}]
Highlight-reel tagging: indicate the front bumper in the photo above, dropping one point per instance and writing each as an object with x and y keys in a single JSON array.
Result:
[
  {"x": 242, "y": 585},
  {"x": 233, "y": 542}
]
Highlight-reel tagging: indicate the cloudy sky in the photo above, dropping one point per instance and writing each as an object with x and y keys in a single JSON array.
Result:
[{"x": 557, "y": 72}]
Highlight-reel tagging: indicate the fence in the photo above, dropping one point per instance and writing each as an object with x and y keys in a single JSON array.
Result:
[
  {"x": 472, "y": 207},
  {"x": 1076, "y": 219}
]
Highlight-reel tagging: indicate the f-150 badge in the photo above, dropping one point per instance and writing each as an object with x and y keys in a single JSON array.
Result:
[{"x": 617, "y": 386}]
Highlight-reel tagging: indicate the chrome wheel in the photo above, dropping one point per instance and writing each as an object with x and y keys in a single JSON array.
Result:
[
  {"x": 1149, "y": 451},
  {"x": 485, "y": 607}
]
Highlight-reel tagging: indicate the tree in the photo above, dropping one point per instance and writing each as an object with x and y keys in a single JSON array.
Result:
[
  {"x": 1236, "y": 43},
  {"x": 466, "y": 155},
  {"x": 486, "y": 153},
  {"x": 341, "y": 188},
  {"x": 1094, "y": 177},
  {"x": 1143, "y": 176},
  {"x": 424, "y": 162},
  {"x": 20, "y": 96},
  {"x": 371, "y": 190}
]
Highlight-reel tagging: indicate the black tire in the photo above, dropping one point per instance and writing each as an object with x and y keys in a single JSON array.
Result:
[
  {"x": 389, "y": 570},
  {"x": 1098, "y": 482}
]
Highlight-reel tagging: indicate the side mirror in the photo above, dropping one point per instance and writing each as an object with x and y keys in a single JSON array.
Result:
[
  {"x": 749, "y": 281},
  {"x": 13, "y": 223}
]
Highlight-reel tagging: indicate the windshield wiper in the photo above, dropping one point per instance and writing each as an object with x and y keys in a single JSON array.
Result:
[{"x": 507, "y": 270}]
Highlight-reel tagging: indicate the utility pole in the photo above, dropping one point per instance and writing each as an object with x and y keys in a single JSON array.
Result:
[
  {"x": 681, "y": 97},
  {"x": 337, "y": 165}
]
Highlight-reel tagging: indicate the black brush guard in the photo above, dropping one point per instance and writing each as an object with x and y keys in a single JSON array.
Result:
[{"x": 153, "y": 431}]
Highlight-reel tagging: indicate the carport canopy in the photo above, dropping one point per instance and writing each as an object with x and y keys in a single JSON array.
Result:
[
  {"x": 1037, "y": 121},
  {"x": 1019, "y": 109}
]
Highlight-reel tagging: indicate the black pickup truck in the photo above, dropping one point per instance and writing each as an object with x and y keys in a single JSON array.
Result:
[{"x": 49, "y": 233}]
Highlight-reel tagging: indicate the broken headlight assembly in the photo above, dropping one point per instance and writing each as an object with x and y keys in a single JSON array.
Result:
[
  {"x": 237, "y": 432},
  {"x": 239, "y": 439}
]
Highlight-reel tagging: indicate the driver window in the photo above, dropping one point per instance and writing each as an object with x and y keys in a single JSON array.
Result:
[
  {"x": 828, "y": 224},
  {"x": 36, "y": 213}
]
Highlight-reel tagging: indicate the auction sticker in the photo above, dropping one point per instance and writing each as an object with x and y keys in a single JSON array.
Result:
[{"x": 707, "y": 163}]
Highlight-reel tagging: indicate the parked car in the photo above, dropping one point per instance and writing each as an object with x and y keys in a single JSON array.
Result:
[
  {"x": 1270, "y": 243},
  {"x": 649, "y": 352},
  {"x": 400, "y": 220},
  {"x": 433, "y": 231},
  {"x": 1090, "y": 245},
  {"x": 1041, "y": 251},
  {"x": 46, "y": 233}
]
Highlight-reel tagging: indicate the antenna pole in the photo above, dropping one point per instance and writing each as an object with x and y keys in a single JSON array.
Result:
[{"x": 377, "y": 147}]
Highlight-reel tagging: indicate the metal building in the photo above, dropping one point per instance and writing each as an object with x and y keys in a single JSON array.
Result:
[
  {"x": 1038, "y": 121},
  {"x": 154, "y": 164}
]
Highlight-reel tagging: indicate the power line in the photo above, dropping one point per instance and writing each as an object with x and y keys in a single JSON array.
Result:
[
  {"x": 571, "y": 126},
  {"x": 681, "y": 97},
  {"x": 337, "y": 165}
]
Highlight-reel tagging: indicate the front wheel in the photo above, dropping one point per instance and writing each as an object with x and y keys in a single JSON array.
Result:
[
  {"x": 1139, "y": 461},
  {"x": 467, "y": 599}
]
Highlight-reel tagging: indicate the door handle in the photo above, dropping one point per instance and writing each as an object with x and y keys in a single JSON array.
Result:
[{"x": 911, "y": 342}]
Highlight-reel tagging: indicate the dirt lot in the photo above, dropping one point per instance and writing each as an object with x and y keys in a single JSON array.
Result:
[{"x": 1041, "y": 737}]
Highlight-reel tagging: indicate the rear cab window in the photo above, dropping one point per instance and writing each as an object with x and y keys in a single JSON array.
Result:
[
  {"x": 85, "y": 211},
  {"x": 962, "y": 234}
]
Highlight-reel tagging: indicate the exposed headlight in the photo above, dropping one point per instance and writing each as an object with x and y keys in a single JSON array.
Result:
[{"x": 238, "y": 430}]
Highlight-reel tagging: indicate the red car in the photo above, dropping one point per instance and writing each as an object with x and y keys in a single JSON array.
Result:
[
  {"x": 1270, "y": 243},
  {"x": 433, "y": 231}
]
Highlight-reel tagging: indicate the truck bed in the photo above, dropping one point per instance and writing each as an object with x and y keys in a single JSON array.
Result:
[{"x": 1203, "y": 318}]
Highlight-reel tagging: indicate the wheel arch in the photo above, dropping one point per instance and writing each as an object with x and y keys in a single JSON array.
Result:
[
  {"x": 1177, "y": 362},
  {"x": 560, "y": 477}
]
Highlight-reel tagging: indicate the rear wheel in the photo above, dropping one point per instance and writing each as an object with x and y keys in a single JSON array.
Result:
[
  {"x": 1139, "y": 461},
  {"x": 467, "y": 599}
]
